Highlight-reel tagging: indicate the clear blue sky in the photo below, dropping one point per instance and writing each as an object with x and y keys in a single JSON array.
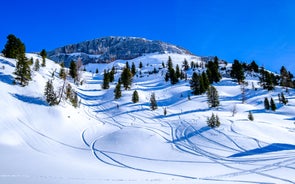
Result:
[{"x": 260, "y": 30}]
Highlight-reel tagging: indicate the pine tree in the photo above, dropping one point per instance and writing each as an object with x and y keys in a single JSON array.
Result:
[
  {"x": 140, "y": 65},
  {"x": 237, "y": 71},
  {"x": 273, "y": 105},
  {"x": 213, "y": 98},
  {"x": 36, "y": 65},
  {"x": 153, "y": 102},
  {"x": 283, "y": 99},
  {"x": 250, "y": 116},
  {"x": 169, "y": 63},
  {"x": 173, "y": 77},
  {"x": 195, "y": 84},
  {"x": 133, "y": 69},
  {"x": 205, "y": 80},
  {"x": 112, "y": 74},
  {"x": 117, "y": 90},
  {"x": 266, "y": 104},
  {"x": 43, "y": 53},
  {"x": 185, "y": 65},
  {"x": 213, "y": 121},
  {"x": 49, "y": 93},
  {"x": 73, "y": 70},
  {"x": 69, "y": 91},
  {"x": 74, "y": 100},
  {"x": 126, "y": 78},
  {"x": 22, "y": 70},
  {"x": 254, "y": 67},
  {"x": 106, "y": 80},
  {"x": 177, "y": 72},
  {"x": 135, "y": 97},
  {"x": 213, "y": 72},
  {"x": 96, "y": 70},
  {"x": 13, "y": 47},
  {"x": 62, "y": 73},
  {"x": 165, "y": 111}
]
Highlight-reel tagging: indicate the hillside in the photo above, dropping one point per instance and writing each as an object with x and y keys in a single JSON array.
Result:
[{"x": 116, "y": 141}]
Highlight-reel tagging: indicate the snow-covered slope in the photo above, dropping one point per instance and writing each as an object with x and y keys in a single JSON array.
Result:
[{"x": 116, "y": 141}]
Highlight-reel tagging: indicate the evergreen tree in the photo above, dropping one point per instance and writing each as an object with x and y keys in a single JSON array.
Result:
[
  {"x": 126, "y": 78},
  {"x": 43, "y": 54},
  {"x": 196, "y": 85},
  {"x": 206, "y": 82},
  {"x": 49, "y": 93},
  {"x": 213, "y": 121},
  {"x": 73, "y": 70},
  {"x": 117, "y": 90},
  {"x": 74, "y": 100},
  {"x": 22, "y": 70},
  {"x": 250, "y": 116},
  {"x": 96, "y": 71},
  {"x": 177, "y": 72},
  {"x": 213, "y": 98},
  {"x": 237, "y": 71},
  {"x": 213, "y": 72},
  {"x": 69, "y": 91},
  {"x": 133, "y": 69},
  {"x": 185, "y": 65},
  {"x": 106, "y": 80},
  {"x": 286, "y": 78},
  {"x": 62, "y": 73},
  {"x": 283, "y": 99},
  {"x": 173, "y": 77},
  {"x": 140, "y": 65},
  {"x": 13, "y": 47},
  {"x": 254, "y": 67},
  {"x": 127, "y": 65},
  {"x": 266, "y": 104},
  {"x": 163, "y": 64},
  {"x": 273, "y": 105},
  {"x": 135, "y": 97},
  {"x": 153, "y": 102},
  {"x": 112, "y": 74},
  {"x": 169, "y": 63},
  {"x": 167, "y": 77},
  {"x": 36, "y": 65},
  {"x": 165, "y": 111}
]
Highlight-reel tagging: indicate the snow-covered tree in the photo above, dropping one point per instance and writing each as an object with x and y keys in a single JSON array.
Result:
[
  {"x": 153, "y": 102},
  {"x": 22, "y": 70},
  {"x": 213, "y": 121},
  {"x": 49, "y": 93},
  {"x": 36, "y": 65}
]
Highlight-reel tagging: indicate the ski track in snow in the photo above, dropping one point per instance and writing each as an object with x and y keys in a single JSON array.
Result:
[{"x": 180, "y": 137}]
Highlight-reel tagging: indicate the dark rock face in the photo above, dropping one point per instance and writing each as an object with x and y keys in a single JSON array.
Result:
[{"x": 108, "y": 49}]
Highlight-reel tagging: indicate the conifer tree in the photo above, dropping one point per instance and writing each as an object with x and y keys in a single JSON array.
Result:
[
  {"x": 283, "y": 99},
  {"x": 169, "y": 63},
  {"x": 106, "y": 80},
  {"x": 74, "y": 100},
  {"x": 254, "y": 67},
  {"x": 68, "y": 91},
  {"x": 36, "y": 65},
  {"x": 165, "y": 111},
  {"x": 213, "y": 121},
  {"x": 237, "y": 71},
  {"x": 117, "y": 90},
  {"x": 195, "y": 84},
  {"x": 266, "y": 104},
  {"x": 126, "y": 78},
  {"x": 153, "y": 102},
  {"x": 205, "y": 80},
  {"x": 43, "y": 54},
  {"x": 177, "y": 72},
  {"x": 133, "y": 69},
  {"x": 213, "y": 72},
  {"x": 49, "y": 93},
  {"x": 112, "y": 74},
  {"x": 62, "y": 73},
  {"x": 213, "y": 98},
  {"x": 22, "y": 70},
  {"x": 250, "y": 116},
  {"x": 185, "y": 65},
  {"x": 135, "y": 97},
  {"x": 73, "y": 70},
  {"x": 13, "y": 47},
  {"x": 273, "y": 105},
  {"x": 173, "y": 77},
  {"x": 140, "y": 65}
]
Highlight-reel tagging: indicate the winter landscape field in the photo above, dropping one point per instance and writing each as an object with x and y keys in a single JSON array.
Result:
[{"x": 105, "y": 140}]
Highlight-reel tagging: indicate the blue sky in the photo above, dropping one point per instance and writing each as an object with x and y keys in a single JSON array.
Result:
[{"x": 260, "y": 30}]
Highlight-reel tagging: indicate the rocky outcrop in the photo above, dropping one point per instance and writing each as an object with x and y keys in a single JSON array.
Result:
[{"x": 108, "y": 49}]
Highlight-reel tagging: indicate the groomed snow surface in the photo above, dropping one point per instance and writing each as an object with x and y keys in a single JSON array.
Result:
[{"x": 117, "y": 141}]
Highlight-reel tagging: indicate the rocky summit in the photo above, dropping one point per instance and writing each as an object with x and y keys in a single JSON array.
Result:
[{"x": 108, "y": 49}]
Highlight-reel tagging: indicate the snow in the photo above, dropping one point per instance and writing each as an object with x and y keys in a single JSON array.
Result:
[{"x": 116, "y": 141}]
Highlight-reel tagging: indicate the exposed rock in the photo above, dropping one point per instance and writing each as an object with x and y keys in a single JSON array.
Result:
[{"x": 108, "y": 49}]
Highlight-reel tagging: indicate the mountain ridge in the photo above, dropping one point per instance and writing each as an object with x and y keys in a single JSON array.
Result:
[{"x": 111, "y": 48}]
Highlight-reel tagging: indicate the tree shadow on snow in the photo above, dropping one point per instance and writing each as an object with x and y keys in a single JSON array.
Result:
[
  {"x": 267, "y": 149},
  {"x": 7, "y": 79},
  {"x": 29, "y": 99}
]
